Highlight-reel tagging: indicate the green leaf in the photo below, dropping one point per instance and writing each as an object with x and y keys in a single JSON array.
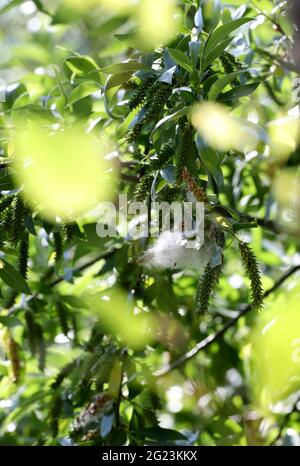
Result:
[
  {"x": 118, "y": 68},
  {"x": 83, "y": 90},
  {"x": 13, "y": 278},
  {"x": 219, "y": 85},
  {"x": 117, "y": 79},
  {"x": 81, "y": 65},
  {"x": 161, "y": 435},
  {"x": 167, "y": 76},
  {"x": 238, "y": 92},
  {"x": 222, "y": 32},
  {"x": 74, "y": 301},
  {"x": 173, "y": 117},
  {"x": 181, "y": 59},
  {"x": 9, "y": 321},
  {"x": 215, "y": 53}
]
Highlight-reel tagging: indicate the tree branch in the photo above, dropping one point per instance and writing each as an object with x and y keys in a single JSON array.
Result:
[
  {"x": 210, "y": 339},
  {"x": 62, "y": 278}
]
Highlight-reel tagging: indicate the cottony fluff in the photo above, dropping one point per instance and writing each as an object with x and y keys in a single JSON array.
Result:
[{"x": 170, "y": 251}]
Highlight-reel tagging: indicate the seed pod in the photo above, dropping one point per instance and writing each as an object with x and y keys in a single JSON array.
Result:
[
  {"x": 206, "y": 286},
  {"x": 252, "y": 270}
]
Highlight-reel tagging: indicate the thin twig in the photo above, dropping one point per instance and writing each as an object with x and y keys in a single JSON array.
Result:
[{"x": 210, "y": 339}]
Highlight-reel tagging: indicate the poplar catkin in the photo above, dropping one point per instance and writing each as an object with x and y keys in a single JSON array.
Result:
[
  {"x": 55, "y": 410},
  {"x": 58, "y": 246},
  {"x": 63, "y": 374},
  {"x": 13, "y": 353},
  {"x": 251, "y": 267},
  {"x": 206, "y": 286},
  {"x": 24, "y": 255},
  {"x": 161, "y": 94},
  {"x": 143, "y": 188},
  {"x": 62, "y": 313},
  {"x": 5, "y": 203},
  {"x": 31, "y": 329},
  {"x": 186, "y": 139},
  {"x": 166, "y": 152},
  {"x": 17, "y": 219},
  {"x": 140, "y": 93},
  {"x": 41, "y": 346},
  {"x": 193, "y": 187}
]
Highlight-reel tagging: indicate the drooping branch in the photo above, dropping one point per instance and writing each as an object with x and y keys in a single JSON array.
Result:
[{"x": 210, "y": 339}]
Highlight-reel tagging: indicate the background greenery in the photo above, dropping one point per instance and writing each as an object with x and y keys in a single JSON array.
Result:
[{"x": 96, "y": 349}]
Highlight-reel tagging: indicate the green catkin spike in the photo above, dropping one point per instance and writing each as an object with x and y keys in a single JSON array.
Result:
[
  {"x": 31, "y": 329},
  {"x": 186, "y": 139},
  {"x": 170, "y": 194},
  {"x": 17, "y": 219},
  {"x": 252, "y": 270},
  {"x": 166, "y": 152},
  {"x": 206, "y": 286},
  {"x": 161, "y": 94},
  {"x": 14, "y": 356},
  {"x": 5, "y": 203},
  {"x": 143, "y": 188},
  {"x": 58, "y": 246},
  {"x": 24, "y": 256},
  {"x": 41, "y": 346},
  {"x": 134, "y": 132},
  {"x": 55, "y": 410},
  {"x": 69, "y": 232},
  {"x": 140, "y": 94},
  {"x": 63, "y": 374},
  {"x": 62, "y": 313}
]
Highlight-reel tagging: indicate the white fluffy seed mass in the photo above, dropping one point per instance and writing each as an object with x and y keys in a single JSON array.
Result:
[{"x": 170, "y": 251}]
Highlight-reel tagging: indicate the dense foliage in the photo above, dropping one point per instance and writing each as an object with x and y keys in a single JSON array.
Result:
[{"x": 191, "y": 100}]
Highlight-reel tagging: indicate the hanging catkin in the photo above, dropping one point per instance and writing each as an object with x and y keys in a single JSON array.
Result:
[
  {"x": 252, "y": 270},
  {"x": 13, "y": 353},
  {"x": 143, "y": 188},
  {"x": 185, "y": 140},
  {"x": 166, "y": 152},
  {"x": 140, "y": 93},
  {"x": 24, "y": 255},
  {"x": 206, "y": 286},
  {"x": 17, "y": 219},
  {"x": 5, "y": 203},
  {"x": 58, "y": 246}
]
